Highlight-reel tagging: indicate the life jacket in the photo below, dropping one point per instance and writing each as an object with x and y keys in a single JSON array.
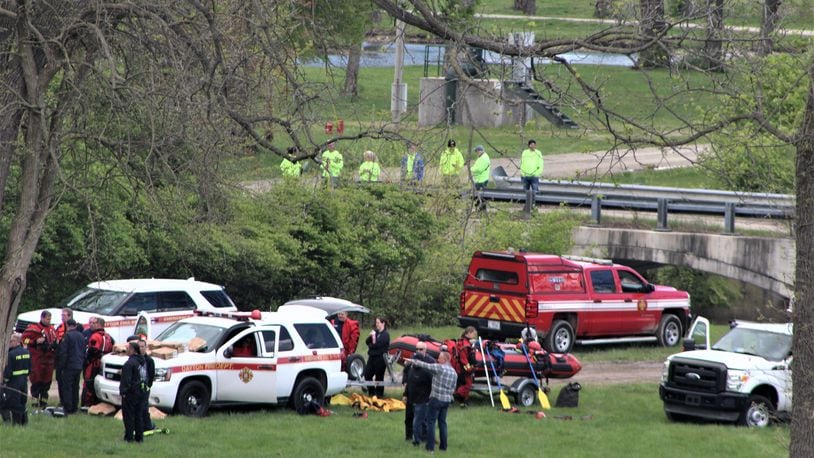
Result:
[{"x": 452, "y": 348}]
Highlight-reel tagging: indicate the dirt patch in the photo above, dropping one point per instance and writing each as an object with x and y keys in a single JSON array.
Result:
[{"x": 606, "y": 373}]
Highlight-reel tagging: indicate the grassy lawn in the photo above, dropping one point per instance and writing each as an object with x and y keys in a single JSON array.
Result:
[{"x": 611, "y": 421}]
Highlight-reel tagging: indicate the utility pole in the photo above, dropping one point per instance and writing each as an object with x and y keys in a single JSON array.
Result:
[{"x": 398, "y": 92}]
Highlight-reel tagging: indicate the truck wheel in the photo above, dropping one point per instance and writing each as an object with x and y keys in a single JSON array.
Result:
[
  {"x": 669, "y": 333},
  {"x": 757, "y": 413},
  {"x": 356, "y": 366},
  {"x": 307, "y": 392},
  {"x": 193, "y": 399},
  {"x": 525, "y": 397},
  {"x": 560, "y": 338}
]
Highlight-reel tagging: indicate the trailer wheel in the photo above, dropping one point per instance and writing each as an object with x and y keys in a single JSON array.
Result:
[
  {"x": 560, "y": 338},
  {"x": 356, "y": 366},
  {"x": 193, "y": 399},
  {"x": 525, "y": 396},
  {"x": 669, "y": 333},
  {"x": 308, "y": 390}
]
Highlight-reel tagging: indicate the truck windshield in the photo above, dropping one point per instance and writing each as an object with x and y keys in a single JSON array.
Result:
[
  {"x": 184, "y": 332},
  {"x": 101, "y": 301},
  {"x": 768, "y": 345}
]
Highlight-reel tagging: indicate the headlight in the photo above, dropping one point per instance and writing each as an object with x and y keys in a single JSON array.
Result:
[
  {"x": 162, "y": 374},
  {"x": 665, "y": 371},
  {"x": 736, "y": 379}
]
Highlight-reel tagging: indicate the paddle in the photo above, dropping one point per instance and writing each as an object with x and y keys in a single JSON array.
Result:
[
  {"x": 540, "y": 394},
  {"x": 488, "y": 384},
  {"x": 504, "y": 400}
]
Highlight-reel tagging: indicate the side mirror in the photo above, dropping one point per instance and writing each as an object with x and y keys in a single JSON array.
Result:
[
  {"x": 650, "y": 288},
  {"x": 228, "y": 352},
  {"x": 689, "y": 345}
]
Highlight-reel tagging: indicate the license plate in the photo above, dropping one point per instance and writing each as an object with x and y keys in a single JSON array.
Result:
[{"x": 492, "y": 324}]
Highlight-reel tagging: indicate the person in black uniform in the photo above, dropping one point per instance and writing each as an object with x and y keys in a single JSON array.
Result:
[
  {"x": 378, "y": 342},
  {"x": 15, "y": 379},
  {"x": 417, "y": 387},
  {"x": 148, "y": 422},
  {"x": 70, "y": 362},
  {"x": 133, "y": 390}
]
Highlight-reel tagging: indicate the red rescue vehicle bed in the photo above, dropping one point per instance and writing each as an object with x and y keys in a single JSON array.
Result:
[{"x": 547, "y": 365}]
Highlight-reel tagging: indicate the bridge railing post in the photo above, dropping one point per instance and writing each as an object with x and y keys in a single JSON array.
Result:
[
  {"x": 662, "y": 215},
  {"x": 596, "y": 210},
  {"x": 729, "y": 218}
]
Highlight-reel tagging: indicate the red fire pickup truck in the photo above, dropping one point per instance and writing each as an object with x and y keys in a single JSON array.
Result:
[{"x": 568, "y": 298}]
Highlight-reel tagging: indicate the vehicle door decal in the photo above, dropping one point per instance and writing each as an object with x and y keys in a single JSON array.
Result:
[{"x": 246, "y": 375}]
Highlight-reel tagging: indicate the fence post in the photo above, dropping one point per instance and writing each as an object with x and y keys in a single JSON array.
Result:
[
  {"x": 662, "y": 216},
  {"x": 596, "y": 210},
  {"x": 729, "y": 218},
  {"x": 529, "y": 202}
]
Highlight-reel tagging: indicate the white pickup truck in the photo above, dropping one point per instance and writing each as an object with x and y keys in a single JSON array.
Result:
[
  {"x": 745, "y": 377},
  {"x": 289, "y": 356}
]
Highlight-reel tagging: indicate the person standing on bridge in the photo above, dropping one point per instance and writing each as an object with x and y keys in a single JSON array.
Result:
[
  {"x": 451, "y": 163},
  {"x": 531, "y": 167},
  {"x": 412, "y": 166},
  {"x": 332, "y": 164}
]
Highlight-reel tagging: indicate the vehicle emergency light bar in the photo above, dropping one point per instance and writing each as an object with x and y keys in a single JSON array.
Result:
[
  {"x": 239, "y": 316},
  {"x": 604, "y": 262}
]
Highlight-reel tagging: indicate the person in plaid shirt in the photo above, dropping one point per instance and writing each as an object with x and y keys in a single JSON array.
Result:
[{"x": 444, "y": 380}]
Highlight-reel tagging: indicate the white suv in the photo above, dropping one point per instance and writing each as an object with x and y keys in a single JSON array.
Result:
[
  {"x": 120, "y": 302},
  {"x": 293, "y": 356}
]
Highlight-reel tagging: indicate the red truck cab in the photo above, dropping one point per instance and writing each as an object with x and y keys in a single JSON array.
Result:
[{"x": 568, "y": 298}]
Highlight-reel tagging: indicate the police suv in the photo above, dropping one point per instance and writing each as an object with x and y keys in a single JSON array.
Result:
[
  {"x": 290, "y": 356},
  {"x": 161, "y": 302}
]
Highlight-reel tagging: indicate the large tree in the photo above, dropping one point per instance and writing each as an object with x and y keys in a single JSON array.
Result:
[
  {"x": 727, "y": 88},
  {"x": 154, "y": 93}
]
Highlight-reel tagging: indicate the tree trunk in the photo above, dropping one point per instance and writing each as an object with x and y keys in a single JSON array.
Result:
[
  {"x": 527, "y": 7},
  {"x": 603, "y": 9},
  {"x": 352, "y": 71},
  {"x": 767, "y": 26},
  {"x": 802, "y": 419},
  {"x": 651, "y": 24},
  {"x": 713, "y": 45}
]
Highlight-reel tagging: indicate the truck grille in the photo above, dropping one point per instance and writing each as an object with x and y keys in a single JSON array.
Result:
[
  {"x": 695, "y": 375},
  {"x": 112, "y": 372}
]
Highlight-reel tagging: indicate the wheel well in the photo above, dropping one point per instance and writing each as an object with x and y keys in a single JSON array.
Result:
[
  {"x": 571, "y": 318},
  {"x": 199, "y": 378},
  {"x": 316, "y": 373},
  {"x": 768, "y": 392},
  {"x": 682, "y": 318}
]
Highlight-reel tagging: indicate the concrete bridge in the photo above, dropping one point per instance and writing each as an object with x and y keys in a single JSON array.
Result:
[{"x": 762, "y": 261}]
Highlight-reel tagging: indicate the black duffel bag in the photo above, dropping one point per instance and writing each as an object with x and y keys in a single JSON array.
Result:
[{"x": 569, "y": 395}]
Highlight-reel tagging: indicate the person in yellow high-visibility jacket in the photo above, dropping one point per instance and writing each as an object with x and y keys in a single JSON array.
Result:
[
  {"x": 480, "y": 169},
  {"x": 291, "y": 169},
  {"x": 531, "y": 167},
  {"x": 452, "y": 161},
  {"x": 369, "y": 170},
  {"x": 332, "y": 163}
]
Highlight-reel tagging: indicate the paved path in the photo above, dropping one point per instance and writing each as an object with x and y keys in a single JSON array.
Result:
[
  {"x": 602, "y": 163},
  {"x": 684, "y": 25}
]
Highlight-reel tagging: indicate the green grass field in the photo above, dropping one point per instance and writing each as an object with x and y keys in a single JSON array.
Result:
[{"x": 611, "y": 421}]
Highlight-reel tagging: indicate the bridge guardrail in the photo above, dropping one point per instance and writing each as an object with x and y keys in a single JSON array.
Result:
[{"x": 647, "y": 198}]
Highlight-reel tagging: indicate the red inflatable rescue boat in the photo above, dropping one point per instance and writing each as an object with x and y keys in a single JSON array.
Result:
[{"x": 508, "y": 358}]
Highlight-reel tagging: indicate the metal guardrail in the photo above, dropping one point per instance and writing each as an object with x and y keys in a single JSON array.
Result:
[{"x": 662, "y": 200}]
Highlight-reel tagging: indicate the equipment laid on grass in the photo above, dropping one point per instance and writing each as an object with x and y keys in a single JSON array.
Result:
[{"x": 569, "y": 395}]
